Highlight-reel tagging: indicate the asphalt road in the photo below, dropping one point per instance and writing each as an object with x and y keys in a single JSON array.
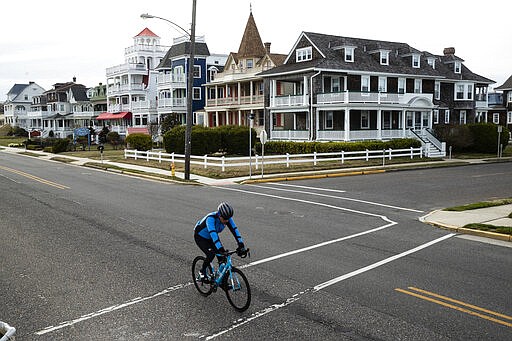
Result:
[{"x": 91, "y": 255}]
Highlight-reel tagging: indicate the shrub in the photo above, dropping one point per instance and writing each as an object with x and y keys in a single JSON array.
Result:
[
  {"x": 60, "y": 146},
  {"x": 459, "y": 137},
  {"x": 485, "y": 136},
  {"x": 139, "y": 141},
  {"x": 114, "y": 139}
]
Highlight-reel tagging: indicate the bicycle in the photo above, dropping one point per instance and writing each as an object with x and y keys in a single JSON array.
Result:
[{"x": 230, "y": 279}]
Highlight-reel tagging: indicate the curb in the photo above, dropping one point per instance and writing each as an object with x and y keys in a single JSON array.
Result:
[
  {"x": 315, "y": 176},
  {"x": 479, "y": 233}
]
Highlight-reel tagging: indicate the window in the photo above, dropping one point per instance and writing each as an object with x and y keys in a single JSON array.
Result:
[
  {"x": 417, "y": 86},
  {"x": 196, "y": 93},
  {"x": 469, "y": 91},
  {"x": 249, "y": 63},
  {"x": 349, "y": 54},
  {"x": 304, "y": 54},
  {"x": 496, "y": 118},
  {"x": 436, "y": 116},
  {"x": 328, "y": 120},
  {"x": 462, "y": 117},
  {"x": 509, "y": 96},
  {"x": 365, "y": 119},
  {"x": 437, "y": 90},
  {"x": 365, "y": 83},
  {"x": 335, "y": 84},
  {"x": 447, "y": 116},
  {"x": 416, "y": 61},
  {"x": 457, "y": 67},
  {"x": 509, "y": 117},
  {"x": 459, "y": 93},
  {"x": 197, "y": 71},
  {"x": 383, "y": 84},
  {"x": 432, "y": 62},
  {"x": 401, "y": 85},
  {"x": 384, "y": 57}
]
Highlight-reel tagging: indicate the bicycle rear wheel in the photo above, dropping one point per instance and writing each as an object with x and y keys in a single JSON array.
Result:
[
  {"x": 237, "y": 289},
  {"x": 205, "y": 287}
]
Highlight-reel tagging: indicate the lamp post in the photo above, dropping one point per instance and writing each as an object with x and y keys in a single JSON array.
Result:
[{"x": 190, "y": 80}]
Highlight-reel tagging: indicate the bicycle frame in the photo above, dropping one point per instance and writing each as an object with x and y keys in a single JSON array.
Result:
[{"x": 219, "y": 274}]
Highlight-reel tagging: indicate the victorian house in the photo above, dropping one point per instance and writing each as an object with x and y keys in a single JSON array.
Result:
[
  {"x": 172, "y": 78},
  {"x": 237, "y": 93},
  {"x": 333, "y": 88},
  {"x": 19, "y": 102},
  {"x": 132, "y": 86},
  {"x": 501, "y": 105}
]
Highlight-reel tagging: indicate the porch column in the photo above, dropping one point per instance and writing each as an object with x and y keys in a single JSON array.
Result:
[
  {"x": 216, "y": 94},
  {"x": 216, "y": 118},
  {"x": 227, "y": 118},
  {"x": 403, "y": 113},
  {"x": 347, "y": 124},
  {"x": 317, "y": 119},
  {"x": 239, "y": 117},
  {"x": 251, "y": 91},
  {"x": 305, "y": 91},
  {"x": 379, "y": 124},
  {"x": 239, "y": 88},
  {"x": 273, "y": 87}
]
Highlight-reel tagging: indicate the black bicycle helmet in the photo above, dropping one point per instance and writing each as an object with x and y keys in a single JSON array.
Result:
[{"x": 225, "y": 210}]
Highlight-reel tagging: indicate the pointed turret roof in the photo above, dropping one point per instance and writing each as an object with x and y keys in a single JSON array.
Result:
[
  {"x": 251, "y": 44},
  {"x": 146, "y": 33}
]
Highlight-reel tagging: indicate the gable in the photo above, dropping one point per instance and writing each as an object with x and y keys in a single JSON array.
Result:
[{"x": 303, "y": 42}]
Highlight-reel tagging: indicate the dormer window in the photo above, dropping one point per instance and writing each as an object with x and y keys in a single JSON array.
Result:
[
  {"x": 416, "y": 61},
  {"x": 432, "y": 62},
  {"x": 304, "y": 54},
  {"x": 349, "y": 54},
  {"x": 457, "y": 67},
  {"x": 249, "y": 63},
  {"x": 384, "y": 57}
]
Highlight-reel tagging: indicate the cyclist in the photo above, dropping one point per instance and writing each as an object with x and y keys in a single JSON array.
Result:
[{"x": 206, "y": 234}]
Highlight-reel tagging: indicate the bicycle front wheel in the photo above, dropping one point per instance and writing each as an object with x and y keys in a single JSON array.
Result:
[
  {"x": 237, "y": 289},
  {"x": 203, "y": 285}
]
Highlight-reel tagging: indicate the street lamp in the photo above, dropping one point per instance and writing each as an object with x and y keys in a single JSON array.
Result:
[{"x": 190, "y": 80}]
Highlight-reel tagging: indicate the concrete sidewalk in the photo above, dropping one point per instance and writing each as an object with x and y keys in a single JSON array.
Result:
[{"x": 455, "y": 221}]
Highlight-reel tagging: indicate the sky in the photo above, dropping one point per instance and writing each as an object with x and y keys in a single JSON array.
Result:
[{"x": 52, "y": 41}]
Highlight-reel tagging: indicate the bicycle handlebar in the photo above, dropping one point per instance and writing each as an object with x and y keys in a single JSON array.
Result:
[{"x": 229, "y": 253}]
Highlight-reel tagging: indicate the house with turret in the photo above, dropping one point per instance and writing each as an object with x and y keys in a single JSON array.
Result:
[{"x": 236, "y": 94}]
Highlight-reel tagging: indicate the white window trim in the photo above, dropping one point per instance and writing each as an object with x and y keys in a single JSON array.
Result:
[
  {"x": 462, "y": 117},
  {"x": 198, "y": 68},
  {"x": 466, "y": 94},
  {"x": 194, "y": 92},
  {"x": 349, "y": 51},
  {"x": 457, "y": 67},
  {"x": 385, "y": 84},
  {"x": 435, "y": 113},
  {"x": 365, "y": 77},
  {"x": 509, "y": 117},
  {"x": 447, "y": 116},
  {"x": 437, "y": 90},
  {"x": 384, "y": 57},
  {"x": 329, "y": 113},
  {"x": 367, "y": 115},
  {"x": 418, "y": 86},
  {"x": 416, "y": 59},
  {"x": 304, "y": 54},
  {"x": 403, "y": 81},
  {"x": 496, "y": 118}
]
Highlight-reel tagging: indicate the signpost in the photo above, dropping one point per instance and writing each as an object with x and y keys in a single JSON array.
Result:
[
  {"x": 251, "y": 122},
  {"x": 263, "y": 140},
  {"x": 500, "y": 129}
]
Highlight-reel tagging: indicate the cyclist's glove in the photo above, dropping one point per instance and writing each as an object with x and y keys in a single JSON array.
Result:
[
  {"x": 222, "y": 258},
  {"x": 241, "y": 251}
]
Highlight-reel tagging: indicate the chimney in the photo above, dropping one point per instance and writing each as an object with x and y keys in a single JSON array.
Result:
[
  {"x": 267, "y": 47},
  {"x": 449, "y": 51}
]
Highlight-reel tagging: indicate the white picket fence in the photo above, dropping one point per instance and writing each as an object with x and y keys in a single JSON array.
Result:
[{"x": 257, "y": 160}]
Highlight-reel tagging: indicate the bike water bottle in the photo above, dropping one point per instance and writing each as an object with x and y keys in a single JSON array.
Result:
[{"x": 221, "y": 267}]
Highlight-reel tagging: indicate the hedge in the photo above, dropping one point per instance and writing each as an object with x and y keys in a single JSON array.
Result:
[{"x": 139, "y": 141}]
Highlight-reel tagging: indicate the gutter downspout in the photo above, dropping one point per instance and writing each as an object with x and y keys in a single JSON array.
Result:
[{"x": 311, "y": 104}]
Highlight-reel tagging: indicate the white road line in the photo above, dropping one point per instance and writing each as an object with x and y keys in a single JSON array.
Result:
[
  {"x": 309, "y": 187},
  {"x": 321, "y": 286},
  {"x": 261, "y": 261},
  {"x": 306, "y": 202},
  {"x": 342, "y": 198},
  {"x": 179, "y": 286},
  {"x": 110, "y": 309}
]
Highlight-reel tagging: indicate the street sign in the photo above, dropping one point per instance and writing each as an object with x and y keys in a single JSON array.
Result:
[{"x": 263, "y": 137}]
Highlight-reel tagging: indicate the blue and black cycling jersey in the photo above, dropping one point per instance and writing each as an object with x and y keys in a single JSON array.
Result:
[{"x": 210, "y": 226}]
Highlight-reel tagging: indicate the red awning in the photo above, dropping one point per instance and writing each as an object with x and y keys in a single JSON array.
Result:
[{"x": 114, "y": 116}]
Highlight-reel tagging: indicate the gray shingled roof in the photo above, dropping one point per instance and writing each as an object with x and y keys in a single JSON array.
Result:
[
  {"x": 182, "y": 49},
  {"x": 17, "y": 89},
  {"x": 507, "y": 85},
  {"x": 330, "y": 46}
]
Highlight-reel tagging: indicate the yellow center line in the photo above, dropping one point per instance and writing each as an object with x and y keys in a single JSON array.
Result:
[
  {"x": 33, "y": 177},
  {"x": 467, "y": 311},
  {"x": 461, "y": 303}
]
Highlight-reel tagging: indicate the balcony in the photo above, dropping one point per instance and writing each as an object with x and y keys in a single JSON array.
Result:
[
  {"x": 133, "y": 106},
  {"x": 235, "y": 101},
  {"x": 138, "y": 68},
  {"x": 348, "y": 97},
  {"x": 289, "y": 134},
  {"x": 289, "y": 101},
  {"x": 174, "y": 80},
  {"x": 169, "y": 103},
  {"x": 118, "y": 89}
]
